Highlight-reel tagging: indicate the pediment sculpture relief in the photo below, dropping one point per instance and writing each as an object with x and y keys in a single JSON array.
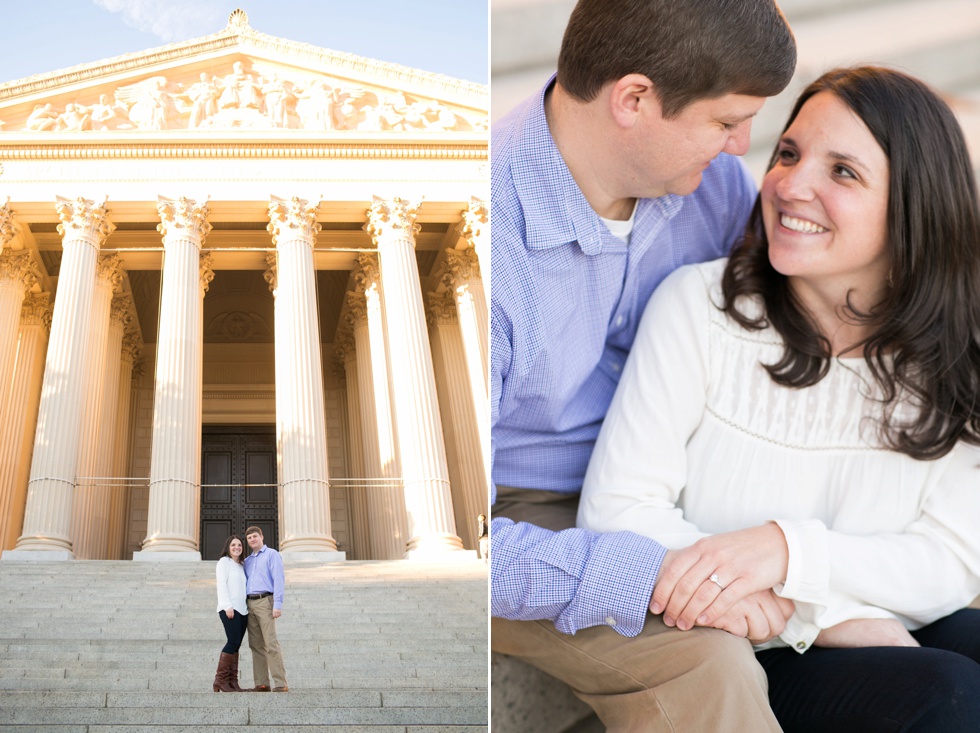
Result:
[{"x": 247, "y": 100}]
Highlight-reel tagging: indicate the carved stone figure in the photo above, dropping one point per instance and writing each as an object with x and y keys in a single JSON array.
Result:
[
  {"x": 152, "y": 105},
  {"x": 203, "y": 95},
  {"x": 75, "y": 118},
  {"x": 102, "y": 113},
  {"x": 44, "y": 117},
  {"x": 277, "y": 100},
  {"x": 240, "y": 90}
]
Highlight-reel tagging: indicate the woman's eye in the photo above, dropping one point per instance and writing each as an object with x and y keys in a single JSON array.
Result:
[
  {"x": 786, "y": 155},
  {"x": 843, "y": 171}
]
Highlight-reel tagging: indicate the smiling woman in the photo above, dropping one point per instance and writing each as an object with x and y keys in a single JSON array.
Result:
[{"x": 802, "y": 420}]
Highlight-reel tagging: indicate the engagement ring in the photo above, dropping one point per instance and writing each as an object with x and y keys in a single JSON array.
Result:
[{"x": 714, "y": 579}]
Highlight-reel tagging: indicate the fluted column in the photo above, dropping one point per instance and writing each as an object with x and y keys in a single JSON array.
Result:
[
  {"x": 132, "y": 345},
  {"x": 17, "y": 428},
  {"x": 47, "y": 519},
  {"x": 361, "y": 530},
  {"x": 462, "y": 280},
  {"x": 18, "y": 274},
  {"x": 304, "y": 495},
  {"x": 386, "y": 503},
  {"x": 459, "y": 416},
  {"x": 175, "y": 462},
  {"x": 432, "y": 528},
  {"x": 90, "y": 508}
]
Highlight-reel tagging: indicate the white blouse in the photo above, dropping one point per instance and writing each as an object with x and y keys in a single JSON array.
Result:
[
  {"x": 699, "y": 440},
  {"x": 231, "y": 585}
]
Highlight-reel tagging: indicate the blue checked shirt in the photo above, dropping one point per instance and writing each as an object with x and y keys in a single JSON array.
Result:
[{"x": 566, "y": 298}]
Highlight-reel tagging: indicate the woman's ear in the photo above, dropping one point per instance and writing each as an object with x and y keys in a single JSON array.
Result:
[{"x": 632, "y": 96}]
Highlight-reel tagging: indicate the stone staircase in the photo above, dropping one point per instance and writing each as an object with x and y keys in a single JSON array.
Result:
[
  {"x": 123, "y": 647},
  {"x": 938, "y": 41}
]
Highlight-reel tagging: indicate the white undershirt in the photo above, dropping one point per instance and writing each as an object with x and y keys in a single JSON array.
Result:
[{"x": 622, "y": 228}]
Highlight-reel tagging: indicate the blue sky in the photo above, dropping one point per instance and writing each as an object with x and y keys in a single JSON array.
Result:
[{"x": 445, "y": 36}]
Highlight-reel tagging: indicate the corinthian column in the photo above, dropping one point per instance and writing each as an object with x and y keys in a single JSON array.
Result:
[
  {"x": 386, "y": 503},
  {"x": 47, "y": 520},
  {"x": 304, "y": 488},
  {"x": 475, "y": 230},
  {"x": 462, "y": 279},
  {"x": 361, "y": 529},
  {"x": 18, "y": 273},
  {"x": 17, "y": 428},
  {"x": 90, "y": 508},
  {"x": 459, "y": 416},
  {"x": 175, "y": 462},
  {"x": 132, "y": 345},
  {"x": 431, "y": 526}
]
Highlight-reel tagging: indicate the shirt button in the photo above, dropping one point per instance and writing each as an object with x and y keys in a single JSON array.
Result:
[
  {"x": 610, "y": 621},
  {"x": 801, "y": 645},
  {"x": 620, "y": 321},
  {"x": 615, "y": 366}
]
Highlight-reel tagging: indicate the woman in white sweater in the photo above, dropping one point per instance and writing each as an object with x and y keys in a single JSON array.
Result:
[
  {"x": 232, "y": 611},
  {"x": 802, "y": 420}
]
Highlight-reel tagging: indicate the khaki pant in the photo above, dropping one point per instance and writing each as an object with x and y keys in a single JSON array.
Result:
[
  {"x": 698, "y": 681},
  {"x": 266, "y": 653}
]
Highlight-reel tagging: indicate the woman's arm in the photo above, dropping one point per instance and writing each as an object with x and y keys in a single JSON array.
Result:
[{"x": 222, "y": 576}]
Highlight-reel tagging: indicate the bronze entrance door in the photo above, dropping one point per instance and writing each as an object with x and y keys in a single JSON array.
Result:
[{"x": 238, "y": 485}]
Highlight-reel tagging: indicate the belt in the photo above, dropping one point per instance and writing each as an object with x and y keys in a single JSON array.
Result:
[{"x": 257, "y": 596}]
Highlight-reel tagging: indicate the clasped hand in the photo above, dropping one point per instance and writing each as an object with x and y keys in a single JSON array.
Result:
[{"x": 725, "y": 581}]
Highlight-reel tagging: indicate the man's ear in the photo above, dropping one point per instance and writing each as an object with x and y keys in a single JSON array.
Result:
[{"x": 631, "y": 96}]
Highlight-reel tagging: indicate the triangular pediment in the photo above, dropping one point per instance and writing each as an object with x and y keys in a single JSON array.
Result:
[{"x": 241, "y": 79}]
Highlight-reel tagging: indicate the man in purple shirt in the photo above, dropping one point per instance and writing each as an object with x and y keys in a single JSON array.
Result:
[
  {"x": 619, "y": 171},
  {"x": 264, "y": 586}
]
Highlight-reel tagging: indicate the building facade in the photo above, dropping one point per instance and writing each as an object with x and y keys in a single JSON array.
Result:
[{"x": 240, "y": 283}]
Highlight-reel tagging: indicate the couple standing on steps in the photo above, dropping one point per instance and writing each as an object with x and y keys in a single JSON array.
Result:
[{"x": 250, "y": 592}]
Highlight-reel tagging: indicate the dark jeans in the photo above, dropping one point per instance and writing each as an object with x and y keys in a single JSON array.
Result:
[
  {"x": 933, "y": 689},
  {"x": 235, "y": 629}
]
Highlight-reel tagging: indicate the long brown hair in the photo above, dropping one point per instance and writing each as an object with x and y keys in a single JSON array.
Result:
[
  {"x": 928, "y": 323},
  {"x": 226, "y": 550}
]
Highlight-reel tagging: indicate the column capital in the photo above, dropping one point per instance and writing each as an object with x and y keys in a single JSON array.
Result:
[
  {"x": 132, "y": 347},
  {"x": 346, "y": 347},
  {"x": 392, "y": 219},
  {"x": 108, "y": 272},
  {"x": 6, "y": 224},
  {"x": 295, "y": 219},
  {"x": 367, "y": 272},
  {"x": 37, "y": 310},
  {"x": 84, "y": 219},
  {"x": 121, "y": 311},
  {"x": 441, "y": 308},
  {"x": 271, "y": 274},
  {"x": 475, "y": 218},
  {"x": 183, "y": 217},
  {"x": 461, "y": 265},
  {"x": 207, "y": 273},
  {"x": 18, "y": 267},
  {"x": 356, "y": 314}
]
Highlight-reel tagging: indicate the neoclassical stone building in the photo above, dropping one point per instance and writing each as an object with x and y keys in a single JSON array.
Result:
[{"x": 240, "y": 284}]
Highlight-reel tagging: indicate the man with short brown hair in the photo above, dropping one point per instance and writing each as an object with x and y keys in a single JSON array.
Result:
[
  {"x": 623, "y": 168},
  {"x": 264, "y": 587}
]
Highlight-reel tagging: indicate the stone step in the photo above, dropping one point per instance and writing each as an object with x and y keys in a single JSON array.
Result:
[
  {"x": 240, "y": 715},
  {"x": 252, "y": 728}
]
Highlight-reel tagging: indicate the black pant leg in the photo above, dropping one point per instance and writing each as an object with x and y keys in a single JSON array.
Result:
[
  {"x": 873, "y": 690},
  {"x": 234, "y": 631}
]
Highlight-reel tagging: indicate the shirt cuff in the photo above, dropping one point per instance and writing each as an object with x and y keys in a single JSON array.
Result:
[
  {"x": 808, "y": 568},
  {"x": 616, "y": 587}
]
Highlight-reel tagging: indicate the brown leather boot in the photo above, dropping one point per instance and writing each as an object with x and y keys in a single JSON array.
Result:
[
  {"x": 223, "y": 675},
  {"x": 233, "y": 674}
]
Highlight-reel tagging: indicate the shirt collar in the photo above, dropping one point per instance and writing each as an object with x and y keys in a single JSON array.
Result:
[{"x": 556, "y": 211}]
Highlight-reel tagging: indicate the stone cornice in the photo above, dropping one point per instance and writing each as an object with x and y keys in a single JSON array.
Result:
[
  {"x": 246, "y": 40},
  {"x": 224, "y": 150}
]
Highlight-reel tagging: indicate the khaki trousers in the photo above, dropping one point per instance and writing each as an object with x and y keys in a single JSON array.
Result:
[
  {"x": 698, "y": 681},
  {"x": 266, "y": 653}
]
